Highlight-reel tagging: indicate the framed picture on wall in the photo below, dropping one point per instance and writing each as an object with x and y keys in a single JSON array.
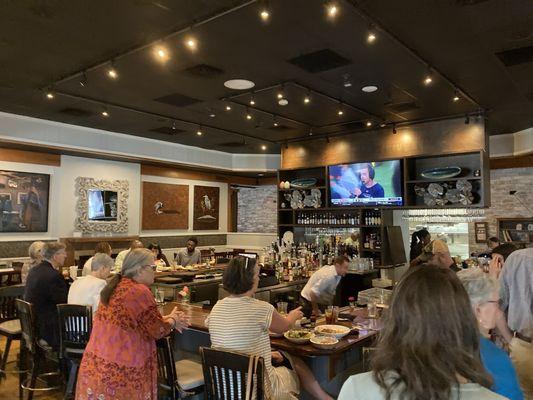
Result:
[
  {"x": 165, "y": 206},
  {"x": 24, "y": 200},
  {"x": 481, "y": 231},
  {"x": 206, "y": 208}
]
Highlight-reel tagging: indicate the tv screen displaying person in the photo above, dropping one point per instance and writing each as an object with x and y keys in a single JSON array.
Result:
[{"x": 368, "y": 187}]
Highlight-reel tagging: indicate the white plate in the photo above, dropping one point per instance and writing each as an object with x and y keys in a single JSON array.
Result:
[
  {"x": 315, "y": 341},
  {"x": 297, "y": 340},
  {"x": 340, "y": 330}
]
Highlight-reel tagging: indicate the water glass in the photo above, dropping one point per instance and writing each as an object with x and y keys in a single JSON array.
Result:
[
  {"x": 160, "y": 296},
  {"x": 282, "y": 307},
  {"x": 372, "y": 309}
]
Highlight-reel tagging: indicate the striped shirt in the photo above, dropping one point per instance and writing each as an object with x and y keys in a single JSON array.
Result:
[{"x": 241, "y": 324}]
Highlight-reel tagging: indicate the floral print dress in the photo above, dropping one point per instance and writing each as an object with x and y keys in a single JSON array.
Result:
[{"x": 120, "y": 359}]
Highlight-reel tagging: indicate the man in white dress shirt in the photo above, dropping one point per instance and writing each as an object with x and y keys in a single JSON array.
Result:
[
  {"x": 136, "y": 244},
  {"x": 321, "y": 287},
  {"x": 86, "y": 290}
]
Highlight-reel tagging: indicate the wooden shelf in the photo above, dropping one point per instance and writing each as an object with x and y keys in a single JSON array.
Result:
[{"x": 455, "y": 179}]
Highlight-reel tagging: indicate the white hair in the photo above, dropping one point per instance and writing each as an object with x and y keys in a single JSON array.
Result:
[
  {"x": 478, "y": 285},
  {"x": 101, "y": 260}
]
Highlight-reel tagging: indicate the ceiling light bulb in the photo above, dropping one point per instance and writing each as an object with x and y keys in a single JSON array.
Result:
[
  {"x": 428, "y": 80},
  {"x": 199, "y": 132},
  {"x": 50, "y": 95},
  {"x": 276, "y": 124},
  {"x": 280, "y": 95},
  {"x": 263, "y": 147},
  {"x": 191, "y": 43},
  {"x": 307, "y": 99},
  {"x": 252, "y": 102},
  {"x": 228, "y": 107},
  {"x": 265, "y": 15},
  {"x": 332, "y": 10},
  {"x": 371, "y": 38},
  {"x": 248, "y": 116},
  {"x": 112, "y": 73},
  {"x": 340, "y": 112},
  {"x": 105, "y": 114},
  {"x": 174, "y": 126},
  {"x": 456, "y": 97},
  {"x": 369, "y": 123}
]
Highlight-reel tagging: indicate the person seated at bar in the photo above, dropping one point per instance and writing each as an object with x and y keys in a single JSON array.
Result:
[
  {"x": 35, "y": 251},
  {"x": 492, "y": 243},
  {"x": 438, "y": 253},
  {"x": 158, "y": 253},
  {"x": 101, "y": 247},
  {"x": 498, "y": 257},
  {"x": 135, "y": 244},
  {"x": 120, "y": 360},
  {"x": 241, "y": 323},
  {"x": 483, "y": 291},
  {"x": 429, "y": 345},
  {"x": 86, "y": 289},
  {"x": 319, "y": 291},
  {"x": 45, "y": 289},
  {"x": 419, "y": 240},
  {"x": 516, "y": 283},
  {"x": 190, "y": 255}
]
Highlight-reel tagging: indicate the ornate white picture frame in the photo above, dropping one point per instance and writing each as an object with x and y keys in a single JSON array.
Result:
[{"x": 83, "y": 223}]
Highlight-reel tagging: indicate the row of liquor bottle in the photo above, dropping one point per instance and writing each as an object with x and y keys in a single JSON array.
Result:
[
  {"x": 372, "y": 241},
  {"x": 372, "y": 218}
]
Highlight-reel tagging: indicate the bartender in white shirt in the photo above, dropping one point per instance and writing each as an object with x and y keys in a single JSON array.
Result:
[{"x": 321, "y": 287}]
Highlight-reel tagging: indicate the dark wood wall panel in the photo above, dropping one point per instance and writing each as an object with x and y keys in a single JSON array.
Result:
[
  {"x": 431, "y": 138},
  {"x": 522, "y": 161},
  {"x": 29, "y": 157}
]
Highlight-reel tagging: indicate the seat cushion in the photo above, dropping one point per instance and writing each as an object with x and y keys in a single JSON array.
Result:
[
  {"x": 190, "y": 374},
  {"x": 11, "y": 327}
]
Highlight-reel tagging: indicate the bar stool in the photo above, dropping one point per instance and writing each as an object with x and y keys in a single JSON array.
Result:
[
  {"x": 75, "y": 326},
  {"x": 183, "y": 378},
  {"x": 37, "y": 352},
  {"x": 9, "y": 322},
  {"x": 229, "y": 375}
]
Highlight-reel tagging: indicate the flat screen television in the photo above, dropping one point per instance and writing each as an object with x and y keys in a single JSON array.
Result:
[{"x": 366, "y": 184}]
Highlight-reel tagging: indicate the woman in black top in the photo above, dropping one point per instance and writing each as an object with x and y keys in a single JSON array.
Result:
[
  {"x": 158, "y": 253},
  {"x": 419, "y": 239}
]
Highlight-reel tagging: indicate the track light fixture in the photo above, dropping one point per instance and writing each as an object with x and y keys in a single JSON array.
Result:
[
  {"x": 327, "y": 139},
  {"x": 199, "y": 131},
  {"x": 161, "y": 53},
  {"x": 248, "y": 115},
  {"x": 173, "y": 125},
  {"x": 112, "y": 71},
  {"x": 340, "y": 111},
  {"x": 276, "y": 123},
  {"x": 456, "y": 97},
  {"x": 394, "y": 131},
  {"x": 252, "y": 101},
  {"x": 105, "y": 113},
  {"x": 368, "y": 124},
  {"x": 307, "y": 98},
  {"x": 310, "y": 131},
  {"x": 83, "y": 79},
  {"x": 383, "y": 124},
  {"x": 467, "y": 119},
  {"x": 228, "y": 107},
  {"x": 264, "y": 11},
  {"x": 50, "y": 95},
  {"x": 332, "y": 9},
  {"x": 371, "y": 36},
  {"x": 428, "y": 79},
  {"x": 191, "y": 43}
]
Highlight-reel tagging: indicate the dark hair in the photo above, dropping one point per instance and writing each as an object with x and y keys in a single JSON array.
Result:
[
  {"x": 493, "y": 239},
  {"x": 341, "y": 260},
  {"x": 430, "y": 337},
  {"x": 133, "y": 262},
  {"x": 193, "y": 239},
  {"x": 152, "y": 246},
  {"x": 103, "y": 247},
  {"x": 51, "y": 248},
  {"x": 417, "y": 243},
  {"x": 504, "y": 249},
  {"x": 238, "y": 276}
]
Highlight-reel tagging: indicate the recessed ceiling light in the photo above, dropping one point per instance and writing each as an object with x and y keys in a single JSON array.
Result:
[
  {"x": 252, "y": 102},
  {"x": 260, "y": 174},
  {"x": 239, "y": 84},
  {"x": 228, "y": 107},
  {"x": 369, "y": 123},
  {"x": 112, "y": 72},
  {"x": 199, "y": 132},
  {"x": 105, "y": 114},
  {"x": 340, "y": 112},
  {"x": 369, "y": 88},
  {"x": 191, "y": 43},
  {"x": 212, "y": 115},
  {"x": 307, "y": 99},
  {"x": 428, "y": 80},
  {"x": 265, "y": 15},
  {"x": 332, "y": 9},
  {"x": 50, "y": 95},
  {"x": 283, "y": 102},
  {"x": 371, "y": 38},
  {"x": 263, "y": 147}
]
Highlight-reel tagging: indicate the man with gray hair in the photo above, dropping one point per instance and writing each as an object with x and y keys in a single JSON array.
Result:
[
  {"x": 45, "y": 289},
  {"x": 86, "y": 290}
]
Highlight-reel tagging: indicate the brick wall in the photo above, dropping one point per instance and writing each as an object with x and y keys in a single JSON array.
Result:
[
  {"x": 257, "y": 209},
  {"x": 503, "y": 205}
]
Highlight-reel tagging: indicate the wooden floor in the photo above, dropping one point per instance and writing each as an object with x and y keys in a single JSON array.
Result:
[{"x": 9, "y": 386}]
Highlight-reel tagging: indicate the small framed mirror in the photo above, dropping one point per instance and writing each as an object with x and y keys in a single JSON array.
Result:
[{"x": 102, "y": 205}]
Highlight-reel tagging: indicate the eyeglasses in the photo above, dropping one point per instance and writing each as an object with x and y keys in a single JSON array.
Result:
[
  {"x": 152, "y": 266},
  {"x": 493, "y": 301}
]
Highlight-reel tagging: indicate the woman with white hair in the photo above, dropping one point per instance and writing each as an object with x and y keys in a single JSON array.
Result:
[
  {"x": 483, "y": 291},
  {"x": 36, "y": 256}
]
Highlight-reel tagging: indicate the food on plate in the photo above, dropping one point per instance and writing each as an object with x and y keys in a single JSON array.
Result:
[
  {"x": 338, "y": 331},
  {"x": 325, "y": 340},
  {"x": 298, "y": 334}
]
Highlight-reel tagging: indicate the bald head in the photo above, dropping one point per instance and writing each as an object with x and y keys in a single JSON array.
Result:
[{"x": 136, "y": 244}]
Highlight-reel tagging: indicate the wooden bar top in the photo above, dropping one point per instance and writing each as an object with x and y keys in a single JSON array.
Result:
[{"x": 197, "y": 316}]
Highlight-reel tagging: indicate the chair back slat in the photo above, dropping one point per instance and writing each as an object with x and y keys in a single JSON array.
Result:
[
  {"x": 27, "y": 324},
  {"x": 8, "y": 295},
  {"x": 75, "y": 326},
  {"x": 167, "y": 376},
  {"x": 226, "y": 374}
]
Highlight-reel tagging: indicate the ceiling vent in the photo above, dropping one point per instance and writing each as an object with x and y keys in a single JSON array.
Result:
[
  {"x": 76, "y": 112},
  {"x": 404, "y": 107},
  {"x": 516, "y": 56},
  {"x": 177, "y": 100},
  {"x": 319, "y": 61},
  {"x": 204, "y": 71},
  {"x": 167, "y": 130}
]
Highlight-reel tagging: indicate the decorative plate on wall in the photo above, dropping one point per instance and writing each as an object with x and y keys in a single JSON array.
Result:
[{"x": 303, "y": 183}]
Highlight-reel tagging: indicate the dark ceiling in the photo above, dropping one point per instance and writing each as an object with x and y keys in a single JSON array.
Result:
[{"x": 464, "y": 44}]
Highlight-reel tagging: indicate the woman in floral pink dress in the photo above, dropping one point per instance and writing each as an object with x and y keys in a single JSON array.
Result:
[{"x": 120, "y": 359}]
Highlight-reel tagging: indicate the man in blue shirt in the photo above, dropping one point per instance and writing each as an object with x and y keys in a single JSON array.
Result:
[{"x": 369, "y": 188}]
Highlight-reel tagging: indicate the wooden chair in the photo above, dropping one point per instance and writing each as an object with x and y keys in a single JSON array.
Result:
[
  {"x": 37, "y": 352},
  {"x": 75, "y": 326},
  {"x": 367, "y": 357},
  {"x": 226, "y": 374},
  {"x": 9, "y": 322},
  {"x": 222, "y": 257},
  {"x": 181, "y": 378}
]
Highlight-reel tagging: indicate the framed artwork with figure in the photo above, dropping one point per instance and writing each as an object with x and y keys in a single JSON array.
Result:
[
  {"x": 206, "y": 208},
  {"x": 165, "y": 206}
]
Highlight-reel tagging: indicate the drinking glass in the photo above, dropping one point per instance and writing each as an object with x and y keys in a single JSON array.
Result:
[
  {"x": 160, "y": 296},
  {"x": 335, "y": 315},
  {"x": 372, "y": 309},
  {"x": 329, "y": 315},
  {"x": 282, "y": 307}
]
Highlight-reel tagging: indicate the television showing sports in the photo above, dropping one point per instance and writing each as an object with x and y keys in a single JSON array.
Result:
[{"x": 376, "y": 183}]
